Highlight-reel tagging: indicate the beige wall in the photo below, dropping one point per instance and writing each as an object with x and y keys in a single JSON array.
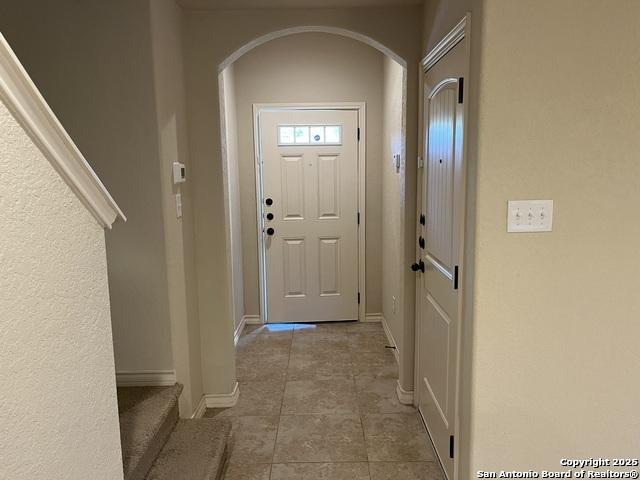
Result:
[
  {"x": 311, "y": 67},
  {"x": 555, "y": 350},
  {"x": 57, "y": 384},
  {"x": 440, "y": 16},
  {"x": 211, "y": 37},
  {"x": 166, "y": 42},
  {"x": 392, "y": 144},
  {"x": 229, "y": 125},
  {"x": 92, "y": 61}
]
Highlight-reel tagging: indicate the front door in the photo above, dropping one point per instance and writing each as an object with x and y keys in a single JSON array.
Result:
[
  {"x": 309, "y": 204},
  {"x": 438, "y": 326}
]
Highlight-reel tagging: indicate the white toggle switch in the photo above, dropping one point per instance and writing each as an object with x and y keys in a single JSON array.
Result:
[{"x": 530, "y": 216}]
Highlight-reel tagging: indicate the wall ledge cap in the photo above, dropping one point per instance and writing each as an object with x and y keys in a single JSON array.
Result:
[{"x": 31, "y": 111}]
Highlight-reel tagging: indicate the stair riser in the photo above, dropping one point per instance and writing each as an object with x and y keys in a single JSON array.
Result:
[
  {"x": 146, "y": 461},
  {"x": 196, "y": 450}
]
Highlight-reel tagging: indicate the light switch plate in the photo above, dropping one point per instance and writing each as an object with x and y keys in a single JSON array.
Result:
[
  {"x": 178, "y": 205},
  {"x": 529, "y": 216},
  {"x": 396, "y": 162}
]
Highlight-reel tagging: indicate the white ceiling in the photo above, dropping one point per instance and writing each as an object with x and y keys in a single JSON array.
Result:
[{"x": 293, "y": 3}]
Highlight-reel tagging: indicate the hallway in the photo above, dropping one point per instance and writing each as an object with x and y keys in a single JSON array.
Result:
[{"x": 319, "y": 402}]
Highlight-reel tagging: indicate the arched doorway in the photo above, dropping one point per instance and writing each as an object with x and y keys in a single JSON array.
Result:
[{"x": 229, "y": 142}]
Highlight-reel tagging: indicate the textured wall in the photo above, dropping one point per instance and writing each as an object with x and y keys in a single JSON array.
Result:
[
  {"x": 310, "y": 67},
  {"x": 229, "y": 111},
  {"x": 57, "y": 386},
  {"x": 392, "y": 264},
  {"x": 555, "y": 343},
  {"x": 92, "y": 62},
  {"x": 440, "y": 16},
  {"x": 166, "y": 42}
]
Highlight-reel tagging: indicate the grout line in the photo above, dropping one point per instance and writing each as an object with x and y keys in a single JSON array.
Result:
[{"x": 284, "y": 388}]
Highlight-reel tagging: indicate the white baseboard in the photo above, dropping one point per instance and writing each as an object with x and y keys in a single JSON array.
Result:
[
  {"x": 223, "y": 400},
  {"x": 246, "y": 320},
  {"x": 252, "y": 320},
  {"x": 200, "y": 409},
  {"x": 392, "y": 341},
  {"x": 372, "y": 318},
  {"x": 145, "y": 378},
  {"x": 404, "y": 396},
  {"x": 239, "y": 329}
]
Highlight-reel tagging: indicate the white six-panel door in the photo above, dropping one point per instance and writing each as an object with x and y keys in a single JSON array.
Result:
[{"x": 309, "y": 205}]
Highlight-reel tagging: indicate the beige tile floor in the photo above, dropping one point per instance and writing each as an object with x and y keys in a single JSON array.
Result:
[{"x": 318, "y": 402}]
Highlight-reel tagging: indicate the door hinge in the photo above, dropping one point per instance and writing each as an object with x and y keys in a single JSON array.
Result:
[
  {"x": 358, "y": 298},
  {"x": 455, "y": 277},
  {"x": 358, "y": 133},
  {"x": 423, "y": 219},
  {"x": 358, "y": 218},
  {"x": 460, "y": 89},
  {"x": 451, "y": 445}
]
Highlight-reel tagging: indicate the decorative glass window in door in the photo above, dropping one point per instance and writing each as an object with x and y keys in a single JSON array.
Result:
[{"x": 309, "y": 135}]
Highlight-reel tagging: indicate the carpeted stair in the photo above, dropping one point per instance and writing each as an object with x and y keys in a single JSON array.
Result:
[
  {"x": 156, "y": 445},
  {"x": 195, "y": 450}
]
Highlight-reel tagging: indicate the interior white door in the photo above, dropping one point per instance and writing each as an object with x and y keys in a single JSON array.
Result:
[
  {"x": 310, "y": 214},
  {"x": 438, "y": 326}
]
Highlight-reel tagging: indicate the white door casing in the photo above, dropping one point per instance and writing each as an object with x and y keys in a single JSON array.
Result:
[
  {"x": 439, "y": 299},
  {"x": 310, "y": 247}
]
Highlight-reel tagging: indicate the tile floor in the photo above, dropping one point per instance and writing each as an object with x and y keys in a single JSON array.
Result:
[{"x": 318, "y": 402}]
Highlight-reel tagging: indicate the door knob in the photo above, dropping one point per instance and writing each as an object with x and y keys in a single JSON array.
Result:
[
  {"x": 269, "y": 216},
  {"x": 418, "y": 266},
  {"x": 269, "y": 202},
  {"x": 270, "y": 231}
]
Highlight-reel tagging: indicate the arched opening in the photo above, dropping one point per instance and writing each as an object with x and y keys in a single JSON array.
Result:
[
  {"x": 311, "y": 29},
  {"x": 261, "y": 66}
]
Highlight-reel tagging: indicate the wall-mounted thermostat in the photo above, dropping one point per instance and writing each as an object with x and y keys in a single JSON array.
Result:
[{"x": 179, "y": 172}]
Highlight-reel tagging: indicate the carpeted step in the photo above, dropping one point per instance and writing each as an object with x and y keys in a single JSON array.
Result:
[
  {"x": 196, "y": 450},
  {"x": 147, "y": 417}
]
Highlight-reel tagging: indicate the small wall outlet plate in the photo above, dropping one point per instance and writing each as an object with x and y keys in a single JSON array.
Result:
[{"x": 529, "y": 216}]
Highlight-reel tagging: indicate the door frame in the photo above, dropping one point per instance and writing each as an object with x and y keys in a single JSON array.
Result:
[
  {"x": 360, "y": 109},
  {"x": 461, "y": 31}
]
